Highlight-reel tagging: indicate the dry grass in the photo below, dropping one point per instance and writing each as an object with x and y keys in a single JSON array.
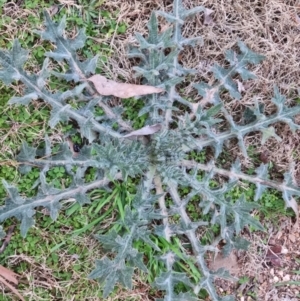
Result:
[{"x": 271, "y": 28}]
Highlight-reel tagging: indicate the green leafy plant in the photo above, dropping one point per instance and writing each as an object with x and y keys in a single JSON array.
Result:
[{"x": 158, "y": 157}]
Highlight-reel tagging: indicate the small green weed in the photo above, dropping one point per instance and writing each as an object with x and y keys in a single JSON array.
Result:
[{"x": 131, "y": 112}]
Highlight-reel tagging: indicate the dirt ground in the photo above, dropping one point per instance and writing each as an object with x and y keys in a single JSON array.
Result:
[{"x": 270, "y": 268}]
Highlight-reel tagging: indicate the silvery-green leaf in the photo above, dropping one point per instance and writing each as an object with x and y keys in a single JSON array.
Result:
[
  {"x": 23, "y": 100},
  {"x": 13, "y": 193},
  {"x": 67, "y": 76},
  {"x": 19, "y": 55},
  {"x": 82, "y": 198},
  {"x": 27, "y": 153},
  {"x": 267, "y": 133},
  {"x": 170, "y": 18},
  {"x": 249, "y": 55},
  {"x": 8, "y": 73},
  {"x": 153, "y": 29},
  {"x": 58, "y": 115},
  {"x": 54, "y": 208},
  {"x": 74, "y": 92},
  {"x": 58, "y": 56},
  {"x": 2, "y": 233},
  {"x": 87, "y": 130},
  {"x": 89, "y": 66},
  {"x": 27, "y": 221},
  {"x": 191, "y": 12},
  {"x": 44, "y": 74},
  {"x": 79, "y": 41},
  {"x": 278, "y": 100},
  {"x": 224, "y": 76}
]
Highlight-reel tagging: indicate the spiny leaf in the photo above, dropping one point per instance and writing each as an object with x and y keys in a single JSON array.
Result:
[
  {"x": 267, "y": 133},
  {"x": 27, "y": 153},
  {"x": 248, "y": 55},
  {"x": 89, "y": 66},
  {"x": 278, "y": 100},
  {"x": 23, "y": 100},
  {"x": 54, "y": 30},
  {"x": 110, "y": 273},
  {"x": 160, "y": 163},
  {"x": 153, "y": 29},
  {"x": 9, "y": 72},
  {"x": 224, "y": 76},
  {"x": 79, "y": 41},
  {"x": 74, "y": 92},
  {"x": 237, "y": 243},
  {"x": 82, "y": 198},
  {"x": 71, "y": 76},
  {"x": 27, "y": 221},
  {"x": 18, "y": 54},
  {"x": 2, "y": 233},
  {"x": 44, "y": 74},
  {"x": 87, "y": 130},
  {"x": 58, "y": 115},
  {"x": 13, "y": 193}
]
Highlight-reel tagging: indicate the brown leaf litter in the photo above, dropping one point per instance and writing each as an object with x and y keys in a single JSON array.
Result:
[{"x": 270, "y": 267}]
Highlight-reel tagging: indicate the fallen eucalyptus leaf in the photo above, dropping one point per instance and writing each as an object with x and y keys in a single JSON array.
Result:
[
  {"x": 7, "y": 276},
  {"x": 146, "y": 130},
  {"x": 106, "y": 86}
]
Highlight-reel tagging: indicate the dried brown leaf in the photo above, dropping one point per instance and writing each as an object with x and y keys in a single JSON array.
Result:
[
  {"x": 53, "y": 10},
  {"x": 230, "y": 263},
  {"x": 13, "y": 289},
  {"x": 146, "y": 130},
  {"x": 106, "y": 86},
  {"x": 8, "y": 275},
  {"x": 264, "y": 157},
  {"x": 273, "y": 255}
]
